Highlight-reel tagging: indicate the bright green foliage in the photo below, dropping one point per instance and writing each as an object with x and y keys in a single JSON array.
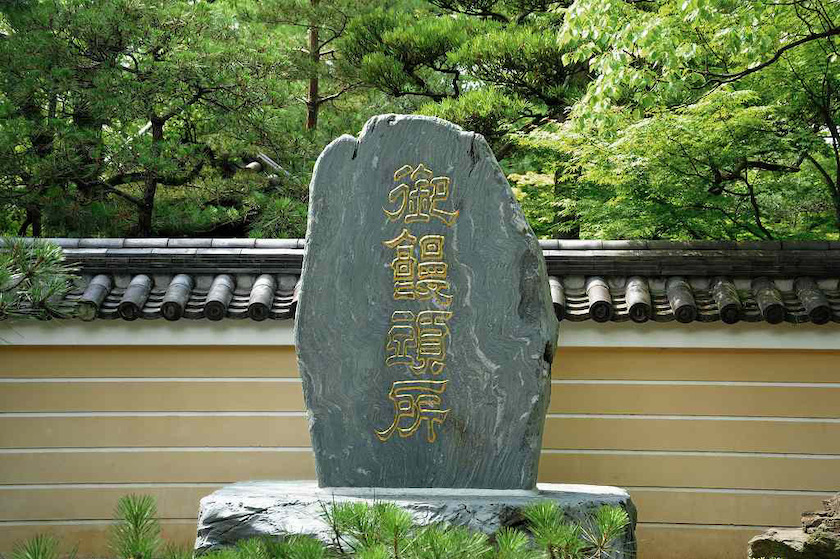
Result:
[
  {"x": 293, "y": 547},
  {"x": 439, "y": 542},
  {"x": 41, "y": 546},
  {"x": 705, "y": 118},
  {"x": 173, "y": 551},
  {"x": 136, "y": 534},
  {"x": 608, "y": 525},
  {"x": 513, "y": 544},
  {"x": 596, "y": 537},
  {"x": 478, "y": 110},
  {"x": 384, "y": 531},
  {"x": 33, "y": 279},
  {"x": 562, "y": 540}
]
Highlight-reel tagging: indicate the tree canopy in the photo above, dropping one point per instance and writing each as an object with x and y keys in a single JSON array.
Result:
[{"x": 613, "y": 118}]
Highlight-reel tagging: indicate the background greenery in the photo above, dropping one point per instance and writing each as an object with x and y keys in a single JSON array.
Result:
[{"x": 613, "y": 118}]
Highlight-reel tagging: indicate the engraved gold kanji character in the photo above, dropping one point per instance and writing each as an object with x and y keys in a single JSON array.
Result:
[
  {"x": 404, "y": 264},
  {"x": 432, "y": 335},
  {"x": 402, "y": 340},
  {"x": 419, "y": 203},
  {"x": 432, "y": 270},
  {"x": 415, "y": 402}
]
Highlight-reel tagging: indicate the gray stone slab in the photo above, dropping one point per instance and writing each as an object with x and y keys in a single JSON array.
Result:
[
  {"x": 441, "y": 383},
  {"x": 270, "y": 509},
  {"x": 190, "y": 243},
  {"x": 160, "y": 242},
  {"x": 233, "y": 243},
  {"x": 276, "y": 243},
  {"x": 101, "y": 243}
]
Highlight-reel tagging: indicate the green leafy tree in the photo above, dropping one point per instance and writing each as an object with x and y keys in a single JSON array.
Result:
[{"x": 705, "y": 118}]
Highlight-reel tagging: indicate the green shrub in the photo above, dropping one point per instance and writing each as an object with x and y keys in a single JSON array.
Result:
[
  {"x": 41, "y": 546},
  {"x": 136, "y": 534}
]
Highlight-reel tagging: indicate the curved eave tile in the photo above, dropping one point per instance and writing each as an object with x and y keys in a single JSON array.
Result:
[{"x": 281, "y": 308}]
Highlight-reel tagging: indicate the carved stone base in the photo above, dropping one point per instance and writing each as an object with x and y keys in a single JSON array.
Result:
[{"x": 255, "y": 509}]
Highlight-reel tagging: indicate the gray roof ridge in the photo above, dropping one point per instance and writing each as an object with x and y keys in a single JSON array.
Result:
[
  {"x": 167, "y": 242},
  {"x": 545, "y": 244}
]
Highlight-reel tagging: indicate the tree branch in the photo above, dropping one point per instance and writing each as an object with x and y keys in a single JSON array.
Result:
[{"x": 727, "y": 78}]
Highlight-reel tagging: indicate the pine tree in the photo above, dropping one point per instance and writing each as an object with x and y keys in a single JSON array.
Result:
[{"x": 118, "y": 99}]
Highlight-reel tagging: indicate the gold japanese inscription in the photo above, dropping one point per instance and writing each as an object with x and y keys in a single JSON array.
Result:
[
  {"x": 424, "y": 279},
  {"x": 404, "y": 264},
  {"x": 415, "y": 402},
  {"x": 418, "y": 340},
  {"x": 402, "y": 340},
  {"x": 418, "y": 197}
]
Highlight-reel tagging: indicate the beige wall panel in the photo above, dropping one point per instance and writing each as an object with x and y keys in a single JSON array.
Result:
[
  {"x": 95, "y": 502},
  {"x": 280, "y": 361},
  {"x": 148, "y": 361},
  {"x": 150, "y": 396},
  {"x": 697, "y": 507},
  {"x": 139, "y": 431},
  {"x": 749, "y": 400},
  {"x": 686, "y": 542},
  {"x": 592, "y": 363},
  {"x": 221, "y": 466},
  {"x": 695, "y": 434},
  {"x": 91, "y": 538},
  {"x": 181, "y": 501},
  {"x": 662, "y": 470},
  {"x": 213, "y": 466}
]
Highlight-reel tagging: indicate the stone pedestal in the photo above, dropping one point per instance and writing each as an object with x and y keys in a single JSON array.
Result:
[{"x": 254, "y": 509}]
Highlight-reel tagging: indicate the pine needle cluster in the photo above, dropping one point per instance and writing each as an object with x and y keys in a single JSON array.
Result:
[{"x": 34, "y": 277}]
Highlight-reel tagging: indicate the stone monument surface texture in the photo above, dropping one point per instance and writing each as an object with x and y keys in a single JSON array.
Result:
[{"x": 425, "y": 328}]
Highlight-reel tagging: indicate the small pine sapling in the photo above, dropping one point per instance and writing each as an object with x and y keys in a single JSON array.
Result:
[
  {"x": 136, "y": 534},
  {"x": 603, "y": 532},
  {"x": 40, "y": 546}
]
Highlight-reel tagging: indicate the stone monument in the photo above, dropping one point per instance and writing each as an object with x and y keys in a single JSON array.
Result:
[
  {"x": 425, "y": 333},
  {"x": 425, "y": 329}
]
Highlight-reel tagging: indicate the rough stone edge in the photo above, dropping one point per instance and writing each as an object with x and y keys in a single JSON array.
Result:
[{"x": 252, "y": 504}]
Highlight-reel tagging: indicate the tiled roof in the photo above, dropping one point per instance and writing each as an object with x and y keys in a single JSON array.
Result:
[{"x": 590, "y": 280}]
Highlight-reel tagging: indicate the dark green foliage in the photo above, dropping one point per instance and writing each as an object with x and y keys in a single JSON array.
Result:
[{"x": 33, "y": 279}]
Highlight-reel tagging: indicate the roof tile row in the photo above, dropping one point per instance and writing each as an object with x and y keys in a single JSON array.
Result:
[{"x": 657, "y": 281}]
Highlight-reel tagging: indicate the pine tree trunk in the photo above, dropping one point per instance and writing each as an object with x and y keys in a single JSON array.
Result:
[
  {"x": 144, "y": 225},
  {"x": 33, "y": 218},
  {"x": 313, "y": 100},
  {"x": 87, "y": 167}
]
